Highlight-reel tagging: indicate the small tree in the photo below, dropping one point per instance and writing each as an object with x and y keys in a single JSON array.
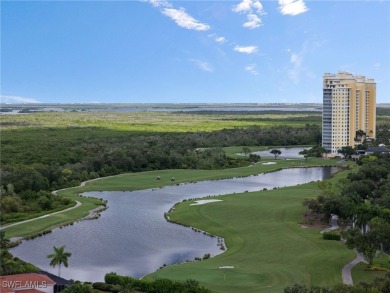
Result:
[
  {"x": 305, "y": 153},
  {"x": 4, "y": 242},
  {"x": 360, "y": 135},
  {"x": 246, "y": 151},
  {"x": 369, "y": 242},
  {"x": 316, "y": 151},
  {"x": 59, "y": 257},
  {"x": 346, "y": 151},
  {"x": 276, "y": 153}
]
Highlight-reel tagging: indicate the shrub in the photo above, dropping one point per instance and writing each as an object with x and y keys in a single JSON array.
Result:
[
  {"x": 112, "y": 278},
  {"x": 331, "y": 236},
  {"x": 106, "y": 287}
]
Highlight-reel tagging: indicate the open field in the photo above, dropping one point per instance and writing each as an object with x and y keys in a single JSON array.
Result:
[
  {"x": 154, "y": 121},
  {"x": 144, "y": 121},
  {"x": 266, "y": 244},
  {"x": 143, "y": 180}
]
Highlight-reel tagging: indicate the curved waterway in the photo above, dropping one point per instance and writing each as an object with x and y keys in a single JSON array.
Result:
[{"x": 133, "y": 238}]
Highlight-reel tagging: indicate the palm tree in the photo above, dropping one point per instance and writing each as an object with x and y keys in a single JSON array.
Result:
[
  {"x": 360, "y": 135},
  {"x": 59, "y": 257}
]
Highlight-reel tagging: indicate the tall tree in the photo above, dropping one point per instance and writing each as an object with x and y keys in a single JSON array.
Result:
[
  {"x": 276, "y": 153},
  {"x": 59, "y": 257}
]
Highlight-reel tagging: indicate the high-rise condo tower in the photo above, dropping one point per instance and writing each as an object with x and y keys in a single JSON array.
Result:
[{"x": 349, "y": 103}]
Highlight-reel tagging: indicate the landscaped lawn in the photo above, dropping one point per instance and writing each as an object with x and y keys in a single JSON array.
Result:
[
  {"x": 266, "y": 244},
  {"x": 360, "y": 274}
]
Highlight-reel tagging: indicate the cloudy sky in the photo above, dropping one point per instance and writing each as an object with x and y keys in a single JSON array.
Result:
[{"x": 161, "y": 51}]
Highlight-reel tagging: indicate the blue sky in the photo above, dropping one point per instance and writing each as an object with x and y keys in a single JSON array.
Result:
[{"x": 159, "y": 51}]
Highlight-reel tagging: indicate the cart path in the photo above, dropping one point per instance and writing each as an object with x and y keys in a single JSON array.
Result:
[
  {"x": 55, "y": 192},
  {"x": 42, "y": 217},
  {"x": 346, "y": 272}
]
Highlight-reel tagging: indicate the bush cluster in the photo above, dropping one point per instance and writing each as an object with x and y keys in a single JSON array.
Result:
[
  {"x": 157, "y": 286},
  {"x": 331, "y": 236}
]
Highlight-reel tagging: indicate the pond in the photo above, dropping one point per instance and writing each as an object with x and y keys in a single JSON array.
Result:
[
  {"x": 132, "y": 237},
  {"x": 287, "y": 153}
]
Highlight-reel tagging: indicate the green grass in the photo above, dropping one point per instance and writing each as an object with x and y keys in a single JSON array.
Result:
[
  {"x": 360, "y": 274},
  {"x": 266, "y": 244},
  {"x": 50, "y": 222},
  {"x": 144, "y": 180}
]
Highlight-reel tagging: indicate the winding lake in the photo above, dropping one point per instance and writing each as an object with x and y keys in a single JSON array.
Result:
[{"x": 133, "y": 238}]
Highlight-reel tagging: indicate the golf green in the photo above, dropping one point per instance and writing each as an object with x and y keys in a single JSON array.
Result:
[{"x": 267, "y": 246}]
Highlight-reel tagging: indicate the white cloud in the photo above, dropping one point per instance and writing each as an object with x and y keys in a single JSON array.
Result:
[
  {"x": 296, "y": 59},
  {"x": 217, "y": 38},
  {"x": 297, "y": 69},
  {"x": 247, "y": 6},
  {"x": 220, "y": 40},
  {"x": 158, "y": 3},
  {"x": 253, "y": 21},
  {"x": 377, "y": 65},
  {"x": 203, "y": 65},
  {"x": 292, "y": 7},
  {"x": 185, "y": 20},
  {"x": 245, "y": 49},
  {"x": 251, "y": 68},
  {"x": 243, "y": 6},
  {"x": 252, "y": 9},
  {"x": 17, "y": 99},
  {"x": 294, "y": 73}
]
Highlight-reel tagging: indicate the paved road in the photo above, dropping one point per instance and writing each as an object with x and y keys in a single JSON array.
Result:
[
  {"x": 42, "y": 217},
  {"x": 346, "y": 272}
]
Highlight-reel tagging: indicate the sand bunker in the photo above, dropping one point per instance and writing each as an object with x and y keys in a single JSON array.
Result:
[
  {"x": 227, "y": 267},
  {"x": 269, "y": 163},
  {"x": 204, "y": 201}
]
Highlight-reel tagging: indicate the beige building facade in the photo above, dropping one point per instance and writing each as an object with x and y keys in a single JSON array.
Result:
[{"x": 349, "y": 105}]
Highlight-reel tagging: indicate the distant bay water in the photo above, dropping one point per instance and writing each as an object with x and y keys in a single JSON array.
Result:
[{"x": 25, "y": 108}]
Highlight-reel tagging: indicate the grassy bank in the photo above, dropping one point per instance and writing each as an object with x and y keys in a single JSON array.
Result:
[
  {"x": 267, "y": 246},
  {"x": 361, "y": 274},
  {"x": 144, "y": 180}
]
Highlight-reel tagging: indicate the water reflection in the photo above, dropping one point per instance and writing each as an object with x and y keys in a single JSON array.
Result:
[
  {"x": 132, "y": 236},
  {"x": 287, "y": 153}
]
